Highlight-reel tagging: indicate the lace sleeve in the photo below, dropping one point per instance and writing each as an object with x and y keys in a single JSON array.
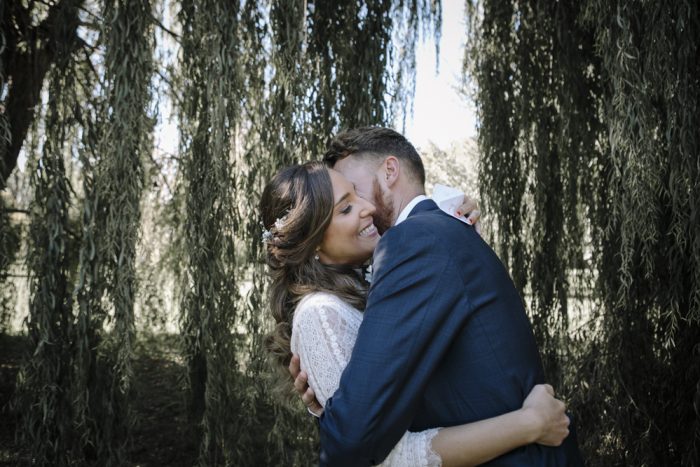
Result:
[
  {"x": 414, "y": 449},
  {"x": 323, "y": 335}
]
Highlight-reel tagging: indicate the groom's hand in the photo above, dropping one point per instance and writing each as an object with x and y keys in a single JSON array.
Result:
[
  {"x": 301, "y": 384},
  {"x": 470, "y": 210}
]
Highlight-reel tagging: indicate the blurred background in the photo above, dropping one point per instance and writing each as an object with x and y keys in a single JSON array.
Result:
[{"x": 136, "y": 137}]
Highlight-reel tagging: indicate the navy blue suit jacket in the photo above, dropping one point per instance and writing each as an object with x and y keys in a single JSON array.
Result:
[{"x": 444, "y": 341}]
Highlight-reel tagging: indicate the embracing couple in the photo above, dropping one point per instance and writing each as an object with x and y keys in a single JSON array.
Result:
[{"x": 434, "y": 362}]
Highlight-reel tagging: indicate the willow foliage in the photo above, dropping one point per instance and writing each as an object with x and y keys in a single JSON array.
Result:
[
  {"x": 113, "y": 181},
  {"x": 44, "y": 380},
  {"x": 5, "y": 133},
  {"x": 589, "y": 134},
  {"x": 288, "y": 74},
  {"x": 73, "y": 390},
  {"x": 9, "y": 249},
  {"x": 275, "y": 135},
  {"x": 209, "y": 114},
  {"x": 258, "y": 85}
]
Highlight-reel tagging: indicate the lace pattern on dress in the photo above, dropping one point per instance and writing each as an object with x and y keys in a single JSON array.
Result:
[{"x": 323, "y": 334}]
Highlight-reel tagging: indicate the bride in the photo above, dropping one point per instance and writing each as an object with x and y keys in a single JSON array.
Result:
[{"x": 318, "y": 235}]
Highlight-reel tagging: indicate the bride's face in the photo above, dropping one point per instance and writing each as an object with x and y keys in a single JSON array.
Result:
[{"x": 351, "y": 236}]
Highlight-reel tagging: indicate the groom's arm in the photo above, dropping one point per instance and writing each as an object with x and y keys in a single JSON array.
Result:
[{"x": 408, "y": 325}]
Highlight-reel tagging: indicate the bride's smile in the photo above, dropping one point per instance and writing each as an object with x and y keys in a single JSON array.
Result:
[{"x": 351, "y": 236}]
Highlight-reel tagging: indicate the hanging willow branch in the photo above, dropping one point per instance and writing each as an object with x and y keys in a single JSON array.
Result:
[
  {"x": 329, "y": 67},
  {"x": 259, "y": 85},
  {"x": 5, "y": 131},
  {"x": 589, "y": 134},
  {"x": 651, "y": 70},
  {"x": 209, "y": 114},
  {"x": 111, "y": 221},
  {"x": 44, "y": 399}
]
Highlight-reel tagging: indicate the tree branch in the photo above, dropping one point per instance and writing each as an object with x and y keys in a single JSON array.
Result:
[
  {"x": 162, "y": 26},
  {"x": 27, "y": 69}
]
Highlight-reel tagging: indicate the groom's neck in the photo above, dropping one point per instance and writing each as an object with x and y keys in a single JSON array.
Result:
[{"x": 403, "y": 195}]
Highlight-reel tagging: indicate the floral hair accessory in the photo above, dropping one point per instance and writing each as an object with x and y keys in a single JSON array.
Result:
[{"x": 268, "y": 236}]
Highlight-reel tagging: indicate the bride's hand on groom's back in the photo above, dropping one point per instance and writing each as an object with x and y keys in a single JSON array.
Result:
[
  {"x": 301, "y": 385},
  {"x": 548, "y": 415},
  {"x": 470, "y": 210}
]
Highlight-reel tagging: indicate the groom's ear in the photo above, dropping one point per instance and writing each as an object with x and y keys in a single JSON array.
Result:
[{"x": 392, "y": 169}]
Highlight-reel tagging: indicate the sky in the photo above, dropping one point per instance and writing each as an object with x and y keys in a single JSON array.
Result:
[{"x": 440, "y": 114}]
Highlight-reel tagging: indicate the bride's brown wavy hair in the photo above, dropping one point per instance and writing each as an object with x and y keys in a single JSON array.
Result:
[{"x": 297, "y": 208}]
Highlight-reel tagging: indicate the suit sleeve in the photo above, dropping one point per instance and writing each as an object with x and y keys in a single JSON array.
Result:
[{"x": 408, "y": 326}]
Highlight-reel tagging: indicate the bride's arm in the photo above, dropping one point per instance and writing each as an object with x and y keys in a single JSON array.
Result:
[{"x": 542, "y": 419}]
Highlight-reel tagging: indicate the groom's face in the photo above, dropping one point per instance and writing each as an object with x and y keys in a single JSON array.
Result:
[{"x": 363, "y": 173}]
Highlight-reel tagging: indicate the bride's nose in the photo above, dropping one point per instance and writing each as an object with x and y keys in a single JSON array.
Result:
[{"x": 367, "y": 208}]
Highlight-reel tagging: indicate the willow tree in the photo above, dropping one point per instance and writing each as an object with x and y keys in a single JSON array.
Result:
[
  {"x": 209, "y": 114},
  {"x": 73, "y": 389},
  {"x": 116, "y": 143},
  {"x": 277, "y": 79},
  {"x": 44, "y": 381},
  {"x": 274, "y": 136},
  {"x": 10, "y": 243},
  {"x": 589, "y": 135},
  {"x": 258, "y": 85},
  {"x": 33, "y": 39}
]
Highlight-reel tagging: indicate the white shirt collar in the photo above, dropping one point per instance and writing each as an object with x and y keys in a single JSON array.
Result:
[{"x": 409, "y": 207}]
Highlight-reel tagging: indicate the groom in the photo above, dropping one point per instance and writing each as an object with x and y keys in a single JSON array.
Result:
[{"x": 445, "y": 339}]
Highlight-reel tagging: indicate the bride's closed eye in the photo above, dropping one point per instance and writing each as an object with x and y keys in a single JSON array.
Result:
[{"x": 346, "y": 209}]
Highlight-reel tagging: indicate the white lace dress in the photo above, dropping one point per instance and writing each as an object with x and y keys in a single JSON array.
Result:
[{"x": 323, "y": 335}]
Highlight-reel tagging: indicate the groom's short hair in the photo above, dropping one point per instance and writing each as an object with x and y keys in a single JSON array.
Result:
[{"x": 375, "y": 143}]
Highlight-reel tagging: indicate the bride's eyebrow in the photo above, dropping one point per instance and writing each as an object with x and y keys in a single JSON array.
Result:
[{"x": 342, "y": 198}]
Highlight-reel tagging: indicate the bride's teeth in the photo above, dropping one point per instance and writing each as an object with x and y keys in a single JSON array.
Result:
[{"x": 367, "y": 230}]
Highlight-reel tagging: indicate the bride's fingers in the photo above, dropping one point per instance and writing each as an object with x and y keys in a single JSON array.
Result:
[
  {"x": 294, "y": 366},
  {"x": 474, "y": 217},
  {"x": 309, "y": 399},
  {"x": 301, "y": 383},
  {"x": 468, "y": 205}
]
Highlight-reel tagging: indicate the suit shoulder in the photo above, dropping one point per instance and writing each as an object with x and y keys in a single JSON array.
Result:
[{"x": 430, "y": 225}]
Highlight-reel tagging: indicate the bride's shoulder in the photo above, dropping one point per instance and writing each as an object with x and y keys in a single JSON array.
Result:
[{"x": 322, "y": 302}]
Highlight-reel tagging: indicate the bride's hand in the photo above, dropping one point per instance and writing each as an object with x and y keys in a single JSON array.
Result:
[
  {"x": 548, "y": 415},
  {"x": 470, "y": 209},
  {"x": 301, "y": 385}
]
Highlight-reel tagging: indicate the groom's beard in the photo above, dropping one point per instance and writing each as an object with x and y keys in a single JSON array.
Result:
[{"x": 384, "y": 214}]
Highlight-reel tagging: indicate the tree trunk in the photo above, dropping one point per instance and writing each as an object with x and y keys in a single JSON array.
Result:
[{"x": 26, "y": 68}]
